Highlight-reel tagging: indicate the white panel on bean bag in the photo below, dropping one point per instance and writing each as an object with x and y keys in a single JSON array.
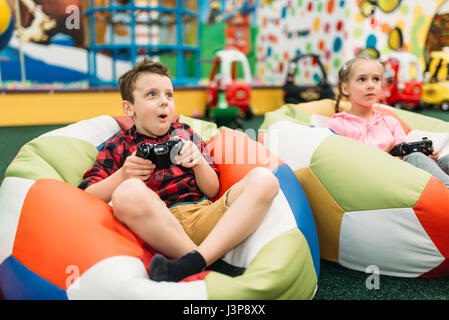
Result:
[
  {"x": 125, "y": 278},
  {"x": 12, "y": 195},
  {"x": 294, "y": 143},
  {"x": 96, "y": 130},
  {"x": 391, "y": 239},
  {"x": 277, "y": 221},
  {"x": 318, "y": 120}
]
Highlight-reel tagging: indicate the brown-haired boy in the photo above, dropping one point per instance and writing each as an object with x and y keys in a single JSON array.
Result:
[{"x": 169, "y": 208}]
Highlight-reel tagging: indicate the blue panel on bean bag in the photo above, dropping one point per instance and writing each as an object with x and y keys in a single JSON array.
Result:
[
  {"x": 300, "y": 206},
  {"x": 17, "y": 282}
]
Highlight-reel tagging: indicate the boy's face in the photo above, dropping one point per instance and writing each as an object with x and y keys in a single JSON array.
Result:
[{"x": 154, "y": 106}]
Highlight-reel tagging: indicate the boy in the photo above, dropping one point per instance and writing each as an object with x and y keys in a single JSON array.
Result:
[{"x": 151, "y": 202}]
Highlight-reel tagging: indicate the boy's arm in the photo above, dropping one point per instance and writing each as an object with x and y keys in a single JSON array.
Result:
[
  {"x": 205, "y": 176},
  {"x": 134, "y": 167},
  {"x": 104, "y": 188}
]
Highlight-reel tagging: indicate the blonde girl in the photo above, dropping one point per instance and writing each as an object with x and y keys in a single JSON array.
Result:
[{"x": 360, "y": 81}]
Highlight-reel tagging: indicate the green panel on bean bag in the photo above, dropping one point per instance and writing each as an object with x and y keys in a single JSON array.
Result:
[
  {"x": 53, "y": 157},
  {"x": 350, "y": 171},
  {"x": 286, "y": 113},
  {"x": 283, "y": 269},
  {"x": 422, "y": 122},
  {"x": 205, "y": 129}
]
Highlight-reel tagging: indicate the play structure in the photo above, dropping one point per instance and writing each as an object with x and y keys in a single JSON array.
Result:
[
  {"x": 368, "y": 205},
  {"x": 403, "y": 80},
  {"x": 124, "y": 31},
  {"x": 229, "y": 88},
  {"x": 59, "y": 242}
]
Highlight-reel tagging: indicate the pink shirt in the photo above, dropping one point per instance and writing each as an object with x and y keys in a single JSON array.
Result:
[{"x": 378, "y": 131}]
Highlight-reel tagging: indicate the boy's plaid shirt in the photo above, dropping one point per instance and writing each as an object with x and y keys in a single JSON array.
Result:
[{"x": 173, "y": 185}]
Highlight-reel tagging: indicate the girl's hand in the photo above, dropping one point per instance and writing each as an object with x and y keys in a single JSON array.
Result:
[
  {"x": 435, "y": 155},
  {"x": 136, "y": 167},
  {"x": 189, "y": 156},
  {"x": 388, "y": 147}
]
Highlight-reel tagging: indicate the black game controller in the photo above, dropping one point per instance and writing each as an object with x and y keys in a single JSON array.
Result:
[
  {"x": 160, "y": 153},
  {"x": 401, "y": 150}
]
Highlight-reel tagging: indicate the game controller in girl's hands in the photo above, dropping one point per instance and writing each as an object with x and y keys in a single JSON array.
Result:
[{"x": 405, "y": 148}]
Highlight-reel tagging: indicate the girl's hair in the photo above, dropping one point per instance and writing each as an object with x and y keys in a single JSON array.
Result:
[{"x": 345, "y": 72}]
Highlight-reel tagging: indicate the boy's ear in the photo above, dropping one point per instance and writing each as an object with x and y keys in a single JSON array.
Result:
[{"x": 127, "y": 108}]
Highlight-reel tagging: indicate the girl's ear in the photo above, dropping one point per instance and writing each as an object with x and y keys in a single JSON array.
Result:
[
  {"x": 127, "y": 108},
  {"x": 345, "y": 89}
]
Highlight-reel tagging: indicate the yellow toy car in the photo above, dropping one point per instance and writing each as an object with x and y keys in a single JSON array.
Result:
[{"x": 436, "y": 80}]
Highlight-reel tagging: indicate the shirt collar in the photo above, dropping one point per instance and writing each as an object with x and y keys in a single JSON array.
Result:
[{"x": 137, "y": 135}]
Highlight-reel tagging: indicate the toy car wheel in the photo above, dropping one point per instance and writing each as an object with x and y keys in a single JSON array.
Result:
[
  {"x": 445, "y": 105},
  {"x": 239, "y": 123},
  {"x": 399, "y": 105},
  {"x": 249, "y": 114},
  {"x": 207, "y": 111}
]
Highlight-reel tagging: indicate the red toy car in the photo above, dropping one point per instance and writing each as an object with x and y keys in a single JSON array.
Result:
[
  {"x": 403, "y": 81},
  {"x": 223, "y": 77}
]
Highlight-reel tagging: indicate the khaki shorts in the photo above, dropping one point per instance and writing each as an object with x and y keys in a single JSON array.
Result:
[{"x": 198, "y": 219}]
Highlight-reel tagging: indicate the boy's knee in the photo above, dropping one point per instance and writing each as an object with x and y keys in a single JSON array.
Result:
[
  {"x": 264, "y": 181},
  {"x": 127, "y": 190},
  {"x": 127, "y": 199}
]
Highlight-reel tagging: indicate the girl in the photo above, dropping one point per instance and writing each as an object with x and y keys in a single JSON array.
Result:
[{"x": 360, "y": 81}]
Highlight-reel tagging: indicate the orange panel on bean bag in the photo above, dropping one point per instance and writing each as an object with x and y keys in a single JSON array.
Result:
[
  {"x": 62, "y": 227},
  {"x": 235, "y": 154},
  {"x": 435, "y": 220}
]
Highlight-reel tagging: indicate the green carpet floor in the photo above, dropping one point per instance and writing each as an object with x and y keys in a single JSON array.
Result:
[{"x": 335, "y": 282}]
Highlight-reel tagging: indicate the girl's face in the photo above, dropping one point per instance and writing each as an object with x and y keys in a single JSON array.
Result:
[{"x": 364, "y": 85}]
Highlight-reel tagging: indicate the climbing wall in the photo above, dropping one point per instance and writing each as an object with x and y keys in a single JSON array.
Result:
[
  {"x": 336, "y": 30},
  {"x": 289, "y": 28}
]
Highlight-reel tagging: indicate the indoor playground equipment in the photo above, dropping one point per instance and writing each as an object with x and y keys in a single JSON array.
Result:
[
  {"x": 126, "y": 30},
  {"x": 229, "y": 83},
  {"x": 59, "y": 242},
  {"x": 370, "y": 208},
  {"x": 403, "y": 80}
]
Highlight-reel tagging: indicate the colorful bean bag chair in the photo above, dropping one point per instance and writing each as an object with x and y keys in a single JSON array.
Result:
[
  {"x": 59, "y": 242},
  {"x": 371, "y": 209}
]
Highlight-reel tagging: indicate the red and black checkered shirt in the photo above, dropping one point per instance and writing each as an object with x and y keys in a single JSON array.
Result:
[{"x": 173, "y": 185}]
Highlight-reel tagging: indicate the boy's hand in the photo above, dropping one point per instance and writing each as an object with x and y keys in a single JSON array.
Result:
[
  {"x": 136, "y": 167},
  {"x": 189, "y": 156}
]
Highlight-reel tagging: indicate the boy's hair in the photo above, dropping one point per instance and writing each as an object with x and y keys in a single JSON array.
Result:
[
  {"x": 345, "y": 72},
  {"x": 128, "y": 80}
]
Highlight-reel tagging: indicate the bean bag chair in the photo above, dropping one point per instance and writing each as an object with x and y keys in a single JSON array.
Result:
[
  {"x": 59, "y": 242},
  {"x": 370, "y": 209}
]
